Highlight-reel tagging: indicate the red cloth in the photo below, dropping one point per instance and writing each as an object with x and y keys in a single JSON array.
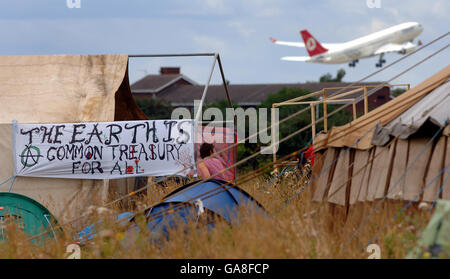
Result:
[{"x": 309, "y": 154}]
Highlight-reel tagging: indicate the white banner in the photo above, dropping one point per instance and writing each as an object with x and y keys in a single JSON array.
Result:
[{"x": 103, "y": 150}]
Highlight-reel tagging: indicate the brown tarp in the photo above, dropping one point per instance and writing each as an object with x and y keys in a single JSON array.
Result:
[
  {"x": 62, "y": 88},
  {"x": 347, "y": 135}
]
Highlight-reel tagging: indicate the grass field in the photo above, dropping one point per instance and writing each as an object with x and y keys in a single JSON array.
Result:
[{"x": 300, "y": 229}]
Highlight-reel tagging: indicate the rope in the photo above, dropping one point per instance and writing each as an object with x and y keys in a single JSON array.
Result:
[
  {"x": 6, "y": 180},
  {"x": 293, "y": 115},
  {"x": 319, "y": 120},
  {"x": 148, "y": 187},
  {"x": 275, "y": 178},
  {"x": 12, "y": 183},
  {"x": 395, "y": 184},
  {"x": 439, "y": 193}
]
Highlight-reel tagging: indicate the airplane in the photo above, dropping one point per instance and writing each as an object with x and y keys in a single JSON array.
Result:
[{"x": 398, "y": 38}]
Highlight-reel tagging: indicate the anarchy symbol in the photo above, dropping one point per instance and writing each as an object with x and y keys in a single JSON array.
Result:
[{"x": 30, "y": 156}]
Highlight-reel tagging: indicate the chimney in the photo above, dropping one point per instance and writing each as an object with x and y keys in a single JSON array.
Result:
[{"x": 169, "y": 71}]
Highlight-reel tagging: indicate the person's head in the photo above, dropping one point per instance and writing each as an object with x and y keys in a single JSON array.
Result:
[{"x": 206, "y": 149}]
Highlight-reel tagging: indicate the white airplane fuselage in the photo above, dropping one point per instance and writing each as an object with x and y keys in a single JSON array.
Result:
[{"x": 368, "y": 45}]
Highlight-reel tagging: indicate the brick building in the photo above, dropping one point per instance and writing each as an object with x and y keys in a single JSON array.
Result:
[{"x": 180, "y": 91}]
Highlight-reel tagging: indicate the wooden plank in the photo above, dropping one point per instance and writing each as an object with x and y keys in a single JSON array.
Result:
[
  {"x": 360, "y": 166},
  {"x": 317, "y": 168},
  {"x": 327, "y": 175},
  {"x": 338, "y": 185},
  {"x": 362, "y": 197},
  {"x": 376, "y": 172},
  {"x": 436, "y": 164},
  {"x": 396, "y": 187},
  {"x": 385, "y": 160},
  {"x": 415, "y": 177}
]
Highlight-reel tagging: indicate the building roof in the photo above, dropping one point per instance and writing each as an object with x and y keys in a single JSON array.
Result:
[
  {"x": 243, "y": 94},
  {"x": 156, "y": 83}
]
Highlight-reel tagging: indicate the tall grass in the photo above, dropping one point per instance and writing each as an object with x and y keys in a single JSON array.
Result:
[{"x": 301, "y": 229}]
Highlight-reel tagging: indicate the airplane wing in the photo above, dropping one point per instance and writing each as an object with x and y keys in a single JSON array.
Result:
[
  {"x": 395, "y": 48},
  {"x": 296, "y": 58},
  {"x": 298, "y": 44},
  {"x": 294, "y": 44}
]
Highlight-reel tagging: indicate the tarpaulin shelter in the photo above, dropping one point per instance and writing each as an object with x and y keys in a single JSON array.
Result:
[
  {"x": 213, "y": 197},
  {"x": 207, "y": 201},
  {"x": 62, "y": 88},
  {"x": 390, "y": 151},
  {"x": 27, "y": 214}
]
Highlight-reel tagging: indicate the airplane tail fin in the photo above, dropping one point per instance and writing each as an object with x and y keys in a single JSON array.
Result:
[{"x": 312, "y": 45}]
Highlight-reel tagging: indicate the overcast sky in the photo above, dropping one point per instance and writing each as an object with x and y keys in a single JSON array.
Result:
[{"x": 237, "y": 29}]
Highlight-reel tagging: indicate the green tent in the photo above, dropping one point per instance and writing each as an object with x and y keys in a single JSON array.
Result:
[
  {"x": 29, "y": 215},
  {"x": 435, "y": 240}
]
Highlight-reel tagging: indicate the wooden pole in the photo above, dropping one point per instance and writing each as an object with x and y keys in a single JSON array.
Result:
[
  {"x": 354, "y": 110},
  {"x": 313, "y": 120},
  {"x": 272, "y": 125},
  {"x": 325, "y": 112},
  {"x": 366, "y": 101}
]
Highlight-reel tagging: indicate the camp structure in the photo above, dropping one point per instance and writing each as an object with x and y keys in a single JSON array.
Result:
[
  {"x": 59, "y": 89},
  {"x": 199, "y": 202},
  {"x": 399, "y": 151},
  {"x": 27, "y": 214},
  {"x": 48, "y": 89}
]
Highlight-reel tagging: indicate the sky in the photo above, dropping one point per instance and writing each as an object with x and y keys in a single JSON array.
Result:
[{"x": 238, "y": 30}]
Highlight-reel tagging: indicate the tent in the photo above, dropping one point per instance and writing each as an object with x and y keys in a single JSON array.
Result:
[
  {"x": 435, "y": 239},
  {"x": 214, "y": 198},
  {"x": 398, "y": 150},
  {"x": 28, "y": 215},
  {"x": 63, "y": 88},
  {"x": 209, "y": 201}
]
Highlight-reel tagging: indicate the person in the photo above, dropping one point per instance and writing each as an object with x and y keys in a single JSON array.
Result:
[{"x": 213, "y": 166}]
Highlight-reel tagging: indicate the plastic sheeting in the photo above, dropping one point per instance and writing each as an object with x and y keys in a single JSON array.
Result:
[
  {"x": 434, "y": 107},
  {"x": 360, "y": 129}
]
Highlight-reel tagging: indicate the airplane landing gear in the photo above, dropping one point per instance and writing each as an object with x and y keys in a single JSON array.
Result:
[
  {"x": 353, "y": 63},
  {"x": 380, "y": 61}
]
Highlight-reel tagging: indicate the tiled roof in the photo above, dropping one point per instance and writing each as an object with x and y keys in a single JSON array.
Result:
[
  {"x": 243, "y": 94},
  {"x": 156, "y": 83}
]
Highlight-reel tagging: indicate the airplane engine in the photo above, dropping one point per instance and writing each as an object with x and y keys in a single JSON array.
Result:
[{"x": 407, "y": 48}]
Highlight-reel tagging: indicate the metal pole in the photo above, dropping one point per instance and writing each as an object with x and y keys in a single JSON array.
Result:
[
  {"x": 202, "y": 100},
  {"x": 171, "y": 55},
  {"x": 225, "y": 86}
]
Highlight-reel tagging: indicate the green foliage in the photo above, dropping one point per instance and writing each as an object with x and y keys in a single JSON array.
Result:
[
  {"x": 154, "y": 108},
  {"x": 329, "y": 78},
  {"x": 397, "y": 92}
]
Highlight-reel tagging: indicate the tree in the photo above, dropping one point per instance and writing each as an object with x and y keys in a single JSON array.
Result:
[
  {"x": 154, "y": 108},
  {"x": 329, "y": 78},
  {"x": 398, "y": 91}
]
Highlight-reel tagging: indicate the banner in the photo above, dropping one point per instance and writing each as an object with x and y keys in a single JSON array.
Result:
[{"x": 104, "y": 150}]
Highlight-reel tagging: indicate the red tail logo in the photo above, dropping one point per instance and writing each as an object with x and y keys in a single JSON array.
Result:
[{"x": 312, "y": 45}]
